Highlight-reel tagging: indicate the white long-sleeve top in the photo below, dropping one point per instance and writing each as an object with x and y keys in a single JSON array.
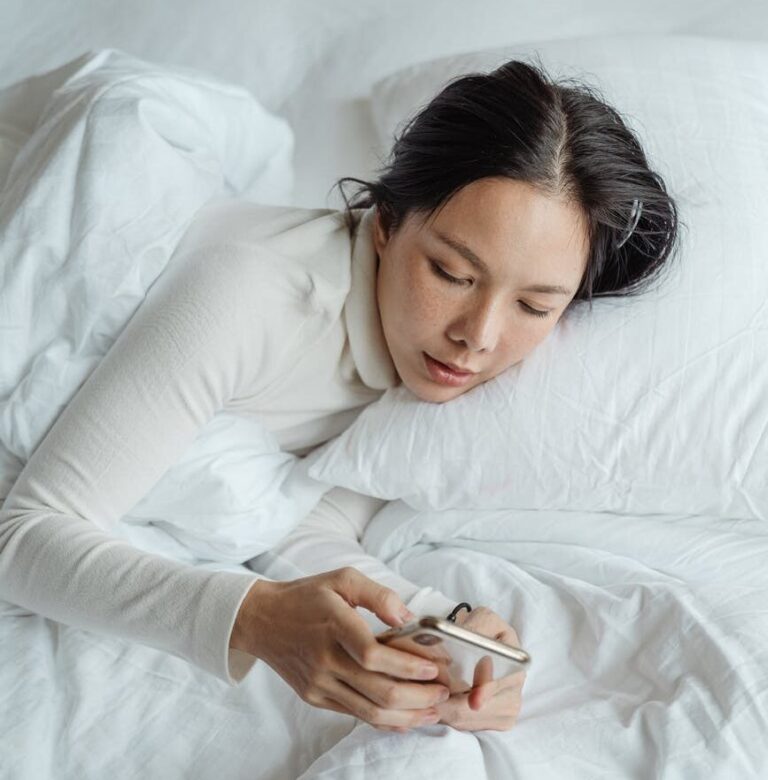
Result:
[{"x": 262, "y": 310}]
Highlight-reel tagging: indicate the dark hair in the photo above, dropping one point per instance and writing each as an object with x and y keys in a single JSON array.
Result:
[{"x": 562, "y": 137}]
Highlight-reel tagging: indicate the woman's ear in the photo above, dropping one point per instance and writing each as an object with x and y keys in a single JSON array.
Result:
[{"x": 379, "y": 232}]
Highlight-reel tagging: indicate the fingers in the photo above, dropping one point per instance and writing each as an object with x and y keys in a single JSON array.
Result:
[
  {"x": 483, "y": 685},
  {"x": 361, "y": 591},
  {"x": 358, "y": 641},
  {"x": 330, "y": 704},
  {"x": 484, "y": 688},
  {"x": 390, "y": 692},
  {"x": 483, "y": 671},
  {"x": 481, "y": 695},
  {"x": 370, "y": 679},
  {"x": 366, "y": 710},
  {"x": 500, "y": 714}
]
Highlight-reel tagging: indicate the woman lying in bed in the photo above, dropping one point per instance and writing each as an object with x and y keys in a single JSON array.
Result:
[{"x": 507, "y": 199}]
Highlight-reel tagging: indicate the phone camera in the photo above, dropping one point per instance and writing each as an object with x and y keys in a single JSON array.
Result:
[{"x": 426, "y": 639}]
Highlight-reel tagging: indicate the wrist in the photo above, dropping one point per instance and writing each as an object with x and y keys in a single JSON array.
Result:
[{"x": 246, "y": 628}]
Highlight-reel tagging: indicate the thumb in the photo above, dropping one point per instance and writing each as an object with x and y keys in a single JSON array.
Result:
[{"x": 359, "y": 590}]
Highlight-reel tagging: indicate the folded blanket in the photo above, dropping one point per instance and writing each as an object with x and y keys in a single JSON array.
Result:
[{"x": 113, "y": 157}]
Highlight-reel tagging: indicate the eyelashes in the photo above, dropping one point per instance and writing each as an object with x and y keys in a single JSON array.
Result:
[{"x": 438, "y": 271}]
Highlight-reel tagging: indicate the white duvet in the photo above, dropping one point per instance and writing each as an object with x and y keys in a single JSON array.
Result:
[
  {"x": 649, "y": 640},
  {"x": 112, "y": 158},
  {"x": 649, "y": 636}
]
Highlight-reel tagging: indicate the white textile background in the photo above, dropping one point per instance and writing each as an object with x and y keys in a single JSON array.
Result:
[{"x": 667, "y": 682}]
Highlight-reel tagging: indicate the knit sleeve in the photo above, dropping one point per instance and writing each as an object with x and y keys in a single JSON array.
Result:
[{"x": 196, "y": 341}]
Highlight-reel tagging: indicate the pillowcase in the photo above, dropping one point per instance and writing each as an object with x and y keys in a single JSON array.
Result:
[{"x": 656, "y": 404}]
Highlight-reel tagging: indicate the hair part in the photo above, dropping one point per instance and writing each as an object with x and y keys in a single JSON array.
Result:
[{"x": 559, "y": 136}]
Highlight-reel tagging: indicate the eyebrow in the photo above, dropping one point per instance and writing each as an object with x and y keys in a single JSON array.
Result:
[{"x": 468, "y": 254}]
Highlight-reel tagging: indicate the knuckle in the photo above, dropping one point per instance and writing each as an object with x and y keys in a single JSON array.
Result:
[
  {"x": 315, "y": 680},
  {"x": 373, "y": 714},
  {"x": 389, "y": 696},
  {"x": 345, "y": 574},
  {"x": 384, "y": 596},
  {"x": 369, "y": 656},
  {"x": 312, "y": 696}
]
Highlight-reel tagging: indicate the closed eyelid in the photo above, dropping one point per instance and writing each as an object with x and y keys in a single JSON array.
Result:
[
  {"x": 441, "y": 267},
  {"x": 437, "y": 268},
  {"x": 465, "y": 252}
]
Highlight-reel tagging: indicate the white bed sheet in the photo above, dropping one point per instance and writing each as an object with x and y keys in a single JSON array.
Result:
[{"x": 666, "y": 682}]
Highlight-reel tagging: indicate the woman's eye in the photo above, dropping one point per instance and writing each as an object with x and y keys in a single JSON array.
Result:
[
  {"x": 453, "y": 280},
  {"x": 442, "y": 274},
  {"x": 531, "y": 310}
]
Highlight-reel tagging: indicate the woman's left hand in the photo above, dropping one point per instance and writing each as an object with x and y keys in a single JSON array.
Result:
[{"x": 491, "y": 704}]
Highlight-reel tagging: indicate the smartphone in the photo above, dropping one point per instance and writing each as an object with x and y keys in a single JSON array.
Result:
[{"x": 458, "y": 652}]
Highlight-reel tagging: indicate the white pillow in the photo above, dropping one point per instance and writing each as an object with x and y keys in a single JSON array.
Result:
[{"x": 652, "y": 405}]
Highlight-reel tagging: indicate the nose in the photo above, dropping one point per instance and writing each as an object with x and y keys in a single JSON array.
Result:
[{"x": 481, "y": 326}]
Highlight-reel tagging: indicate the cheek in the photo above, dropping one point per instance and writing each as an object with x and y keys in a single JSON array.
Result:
[
  {"x": 537, "y": 333},
  {"x": 421, "y": 301},
  {"x": 524, "y": 339},
  {"x": 428, "y": 306}
]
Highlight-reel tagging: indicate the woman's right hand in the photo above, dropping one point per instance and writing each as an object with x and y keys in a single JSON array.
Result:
[{"x": 309, "y": 632}]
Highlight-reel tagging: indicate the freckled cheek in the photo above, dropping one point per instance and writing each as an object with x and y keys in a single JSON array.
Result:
[
  {"x": 423, "y": 305},
  {"x": 520, "y": 342}
]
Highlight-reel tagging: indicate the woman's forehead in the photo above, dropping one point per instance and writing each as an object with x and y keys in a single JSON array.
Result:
[{"x": 498, "y": 229}]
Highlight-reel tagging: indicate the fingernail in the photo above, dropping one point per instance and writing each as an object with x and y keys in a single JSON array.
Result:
[
  {"x": 427, "y": 672},
  {"x": 406, "y": 615},
  {"x": 430, "y": 719},
  {"x": 444, "y": 696}
]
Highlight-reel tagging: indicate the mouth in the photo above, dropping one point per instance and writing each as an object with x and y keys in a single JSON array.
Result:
[
  {"x": 444, "y": 374},
  {"x": 456, "y": 369}
]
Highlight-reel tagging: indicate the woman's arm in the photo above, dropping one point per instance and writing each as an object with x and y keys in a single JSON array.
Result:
[
  {"x": 329, "y": 537},
  {"x": 194, "y": 343}
]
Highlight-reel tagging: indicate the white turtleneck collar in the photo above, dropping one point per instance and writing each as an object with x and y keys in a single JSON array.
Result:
[{"x": 361, "y": 311}]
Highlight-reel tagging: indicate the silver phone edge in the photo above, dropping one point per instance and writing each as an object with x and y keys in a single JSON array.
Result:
[{"x": 446, "y": 627}]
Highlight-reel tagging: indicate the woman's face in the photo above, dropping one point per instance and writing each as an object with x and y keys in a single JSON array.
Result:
[{"x": 493, "y": 317}]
